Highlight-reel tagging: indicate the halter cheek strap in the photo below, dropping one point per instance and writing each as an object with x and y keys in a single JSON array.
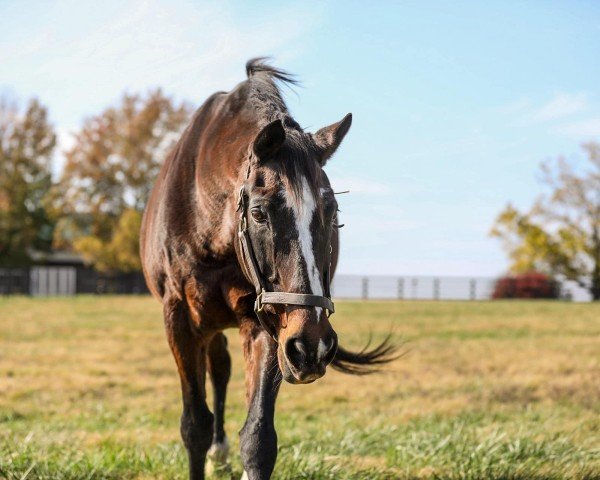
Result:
[{"x": 252, "y": 271}]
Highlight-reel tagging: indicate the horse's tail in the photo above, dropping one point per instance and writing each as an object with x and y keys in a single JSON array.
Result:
[{"x": 366, "y": 361}]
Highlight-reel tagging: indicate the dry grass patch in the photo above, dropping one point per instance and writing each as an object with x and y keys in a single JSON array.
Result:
[{"x": 497, "y": 390}]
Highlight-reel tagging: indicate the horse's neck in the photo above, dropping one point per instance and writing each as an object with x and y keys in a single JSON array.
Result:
[
  {"x": 218, "y": 178},
  {"x": 220, "y": 137}
]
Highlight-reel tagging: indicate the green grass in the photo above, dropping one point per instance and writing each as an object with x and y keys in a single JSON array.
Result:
[{"x": 498, "y": 390}]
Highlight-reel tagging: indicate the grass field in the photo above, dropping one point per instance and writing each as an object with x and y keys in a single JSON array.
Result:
[{"x": 88, "y": 389}]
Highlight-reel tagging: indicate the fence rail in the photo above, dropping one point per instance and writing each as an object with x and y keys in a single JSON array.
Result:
[
  {"x": 61, "y": 281},
  {"x": 50, "y": 281},
  {"x": 14, "y": 281},
  {"x": 412, "y": 287}
]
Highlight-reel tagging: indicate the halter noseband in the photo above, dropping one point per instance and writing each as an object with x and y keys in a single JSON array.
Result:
[{"x": 252, "y": 272}]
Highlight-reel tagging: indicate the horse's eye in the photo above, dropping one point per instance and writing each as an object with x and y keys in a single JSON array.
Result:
[{"x": 258, "y": 215}]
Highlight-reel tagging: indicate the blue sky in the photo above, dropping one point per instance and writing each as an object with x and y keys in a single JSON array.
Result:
[{"x": 455, "y": 103}]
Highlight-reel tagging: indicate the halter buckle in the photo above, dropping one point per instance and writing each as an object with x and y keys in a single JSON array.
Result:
[
  {"x": 258, "y": 305},
  {"x": 240, "y": 204}
]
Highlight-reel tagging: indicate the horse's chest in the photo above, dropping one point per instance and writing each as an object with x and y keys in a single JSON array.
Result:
[{"x": 217, "y": 301}]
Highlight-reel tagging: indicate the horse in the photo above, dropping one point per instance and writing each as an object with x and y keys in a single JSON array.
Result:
[{"x": 240, "y": 232}]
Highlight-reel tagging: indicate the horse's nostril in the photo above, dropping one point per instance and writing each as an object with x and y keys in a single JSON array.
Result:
[
  {"x": 299, "y": 345},
  {"x": 328, "y": 353},
  {"x": 296, "y": 351}
]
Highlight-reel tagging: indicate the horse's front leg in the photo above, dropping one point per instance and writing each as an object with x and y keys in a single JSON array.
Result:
[
  {"x": 219, "y": 367},
  {"x": 258, "y": 440},
  {"x": 189, "y": 351}
]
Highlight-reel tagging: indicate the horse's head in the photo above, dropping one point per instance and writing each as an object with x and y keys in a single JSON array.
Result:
[{"x": 290, "y": 211}]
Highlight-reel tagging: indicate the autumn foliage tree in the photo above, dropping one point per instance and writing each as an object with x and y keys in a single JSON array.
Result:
[
  {"x": 108, "y": 175},
  {"x": 27, "y": 142},
  {"x": 560, "y": 234}
]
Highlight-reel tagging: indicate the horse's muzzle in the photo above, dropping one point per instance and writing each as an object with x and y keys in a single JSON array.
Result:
[{"x": 305, "y": 361}]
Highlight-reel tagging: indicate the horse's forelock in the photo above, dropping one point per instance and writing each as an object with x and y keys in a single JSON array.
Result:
[{"x": 296, "y": 162}]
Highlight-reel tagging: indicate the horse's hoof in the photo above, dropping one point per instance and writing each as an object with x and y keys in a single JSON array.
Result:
[{"x": 216, "y": 458}]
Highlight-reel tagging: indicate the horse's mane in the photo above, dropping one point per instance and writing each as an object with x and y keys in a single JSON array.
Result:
[
  {"x": 260, "y": 65},
  {"x": 264, "y": 94}
]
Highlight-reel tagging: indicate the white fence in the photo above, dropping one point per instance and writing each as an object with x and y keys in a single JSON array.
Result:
[
  {"x": 412, "y": 287},
  {"x": 50, "y": 281}
]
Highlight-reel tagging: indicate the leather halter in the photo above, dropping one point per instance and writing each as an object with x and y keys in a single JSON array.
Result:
[{"x": 252, "y": 271}]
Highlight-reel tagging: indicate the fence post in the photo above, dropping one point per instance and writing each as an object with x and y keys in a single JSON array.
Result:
[
  {"x": 365, "y": 288},
  {"x": 473, "y": 289},
  {"x": 415, "y": 285},
  {"x": 436, "y": 288},
  {"x": 29, "y": 280},
  {"x": 400, "y": 288}
]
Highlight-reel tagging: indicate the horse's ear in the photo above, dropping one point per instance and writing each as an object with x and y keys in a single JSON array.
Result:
[
  {"x": 269, "y": 140},
  {"x": 328, "y": 139}
]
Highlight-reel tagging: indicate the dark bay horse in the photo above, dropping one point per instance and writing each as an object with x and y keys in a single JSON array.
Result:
[{"x": 240, "y": 233}]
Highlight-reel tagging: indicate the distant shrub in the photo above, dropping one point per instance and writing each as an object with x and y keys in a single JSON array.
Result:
[{"x": 526, "y": 285}]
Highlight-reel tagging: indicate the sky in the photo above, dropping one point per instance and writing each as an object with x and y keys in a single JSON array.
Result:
[{"x": 455, "y": 104}]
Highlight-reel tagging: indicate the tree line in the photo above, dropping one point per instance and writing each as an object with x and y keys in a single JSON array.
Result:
[{"x": 94, "y": 207}]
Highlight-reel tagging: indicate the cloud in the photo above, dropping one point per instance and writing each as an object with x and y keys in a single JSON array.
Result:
[
  {"x": 79, "y": 62},
  {"x": 581, "y": 129},
  {"x": 562, "y": 114},
  {"x": 560, "y": 106}
]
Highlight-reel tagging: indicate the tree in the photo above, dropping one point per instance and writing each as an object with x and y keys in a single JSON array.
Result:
[
  {"x": 121, "y": 251},
  {"x": 560, "y": 234},
  {"x": 27, "y": 142},
  {"x": 108, "y": 175}
]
